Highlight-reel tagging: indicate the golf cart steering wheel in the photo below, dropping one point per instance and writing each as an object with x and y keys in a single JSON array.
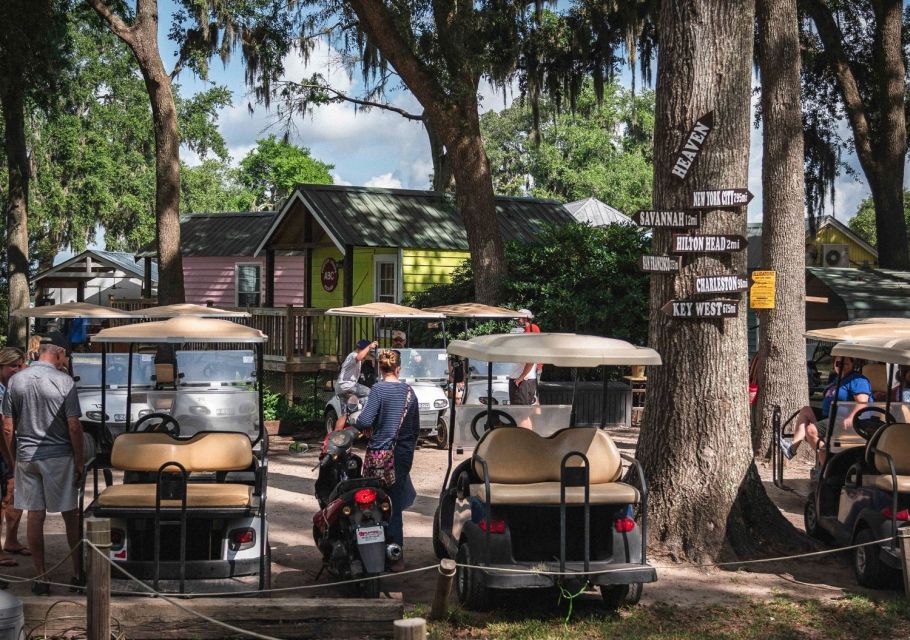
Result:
[
  {"x": 166, "y": 425},
  {"x": 868, "y": 425},
  {"x": 497, "y": 417}
]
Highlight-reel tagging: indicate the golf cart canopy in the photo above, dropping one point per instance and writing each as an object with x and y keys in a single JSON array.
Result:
[
  {"x": 185, "y": 309},
  {"x": 894, "y": 349},
  {"x": 865, "y": 328},
  {"x": 476, "y": 310},
  {"x": 72, "y": 310},
  {"x": 383, "y": 310},
  {"x": 560, "y": 349},
  {"x": 180, "y": 330}
]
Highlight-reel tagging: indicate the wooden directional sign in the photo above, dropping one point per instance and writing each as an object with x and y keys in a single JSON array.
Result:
[
  {"x": 669, "y": 219},
  {"x": 659, "y": 264},
  {"x": 720, "y": 284},
  {"x": 721, "y": 198},
  {"x": 701, "y": 308},
  {"x": 706, "y": 244},
  {"x": 693, "y": 145}
]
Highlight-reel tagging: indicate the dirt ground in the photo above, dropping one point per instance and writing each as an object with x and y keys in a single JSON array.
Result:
[{"x": 296, "y": 562}]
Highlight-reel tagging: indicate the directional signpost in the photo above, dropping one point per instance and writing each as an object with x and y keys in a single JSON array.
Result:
[
  {"x": 707, "y": 244},
  {"x": 693, "y": 145},
  {"x": 701, "y": 308},
  {"x": 659, "y": 264},
  {"x": 721, "y": 198},
  {"x": 667, "y": 219},
  {"x": 720, "y": 284}
]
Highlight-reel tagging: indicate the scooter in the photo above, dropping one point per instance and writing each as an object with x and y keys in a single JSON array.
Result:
[{"x": 351, "y": 527}]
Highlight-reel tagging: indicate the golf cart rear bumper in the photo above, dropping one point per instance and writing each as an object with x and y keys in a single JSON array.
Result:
[{"x": 613, "y": 573}]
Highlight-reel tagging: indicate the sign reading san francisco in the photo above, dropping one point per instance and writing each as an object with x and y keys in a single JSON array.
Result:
[
  {"x": 667, "y": 219},
  {"x": 721, "y": 198},
  {"x": 659, "y": 264},
  {"x": 720, "y": 284},
  {"x": 695, "y": 142},
  {"x": 707, "y": 244},
  {"x": 701, "y": 308}
]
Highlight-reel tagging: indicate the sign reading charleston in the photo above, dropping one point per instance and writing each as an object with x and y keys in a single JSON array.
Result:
[
  {"x": 659, "y": 264},
  {"x": 668, "y": 219},
  {"x": 706, "y": 244},
  {"x": 720, "y": 284},
  {"x": 695, "y": 141},
  {"x": 701, "y": 308},
  {"x": 721, "y": 198}
]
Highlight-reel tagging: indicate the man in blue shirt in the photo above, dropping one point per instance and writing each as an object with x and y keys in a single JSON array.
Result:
[{"x": 853, "y": 387}]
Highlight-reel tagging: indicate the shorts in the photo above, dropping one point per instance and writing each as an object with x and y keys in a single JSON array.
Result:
[
  {"x": 524, "y": 393},
  {"x": 46, "y": 485}
]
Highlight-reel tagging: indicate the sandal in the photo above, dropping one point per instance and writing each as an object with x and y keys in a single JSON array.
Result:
[
  {"x": 41, "y": 588},
  {"x": 8, "y": 562},
  {"x": 20, "y": 551}
]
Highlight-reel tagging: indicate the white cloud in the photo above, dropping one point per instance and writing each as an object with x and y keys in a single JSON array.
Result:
[{"x": 385, "y": 181}]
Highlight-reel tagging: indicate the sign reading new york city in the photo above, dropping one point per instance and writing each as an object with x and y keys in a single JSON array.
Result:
[
  {"x": 720, "y": 284},
  {"x": 701, "y": 308},
  {"x": 706, "y": 244},
  {"x": 667, "y": 219},
  {"x": 721, "y": 198},
  {"x": 659, "y": 264},
  {"x": 695, "y": 142}
]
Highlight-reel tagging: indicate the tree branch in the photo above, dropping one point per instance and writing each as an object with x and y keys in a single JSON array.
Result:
[
  {"x": 116, "y": 23},
  {"x": 832, "y": 37},
  {"x": 359, "y": 101}
]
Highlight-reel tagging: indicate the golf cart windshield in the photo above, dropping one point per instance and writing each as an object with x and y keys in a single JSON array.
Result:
[
  {"x": 87, "y": 370},
  {"x": 478, "y": 370},
  {"x": 424, "y": 364},
  {"x": 216, "y": 367}
]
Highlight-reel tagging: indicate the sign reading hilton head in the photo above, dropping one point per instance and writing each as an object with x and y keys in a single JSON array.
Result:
[
  {"x": 701, "y": 308},
  {"x": 706, "y": 244},
  {"x": 669, "y": 219},
  {"x": 721, "y": 198},
  {"x": 720, "y": 284},
  {"x": 659, "y": 264},
  {"x": 693, "y": 145}
]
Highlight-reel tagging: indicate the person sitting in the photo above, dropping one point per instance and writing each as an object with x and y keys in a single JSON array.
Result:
[
  {"x": 399, "y": 339},
  {"x": 347, "y": 386},
  {"x": 901, "y": 391},
  {"x": 853, "y": 387}
]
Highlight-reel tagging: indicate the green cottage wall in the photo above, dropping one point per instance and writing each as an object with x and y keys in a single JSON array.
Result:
[{"x": 422, "y": 268}]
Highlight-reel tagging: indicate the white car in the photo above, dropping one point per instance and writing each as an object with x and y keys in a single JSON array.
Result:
[{"x": 426, "y": 370}]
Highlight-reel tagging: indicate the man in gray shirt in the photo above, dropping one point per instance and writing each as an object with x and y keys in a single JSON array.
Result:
[
  {"x": 347, "y": 387},
  {"x": 42, "y": 408}
]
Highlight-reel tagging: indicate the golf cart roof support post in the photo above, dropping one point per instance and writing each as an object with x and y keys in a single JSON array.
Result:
[
  {"x": 603, "y": 399},
  {"x": 888, "y": 389},
  {"x": 451, "y": 434},
  {"x": 574, "y": 393},
  {"x": 445, "y": 340},
  {"x": 832, "y": 410},
  {"x": 129, "y": 386},
  {"x": 260, "y": 378},
  {"x": 489, "y": 395},
  {"x": 103, "y": 401}
]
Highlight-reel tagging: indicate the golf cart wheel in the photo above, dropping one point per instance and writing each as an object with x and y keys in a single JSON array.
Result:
[
  {"x": 369, "y": 588},
  {"x": 867, "y": 563},
  {"x": 330, "y": 418},
  {"x": 620, "y": 595},
  {"x": 810, "y": 521},
  {"x": 469, "y": 583},
  {"x": 442, "y": 434},
  {"x": 438, "y": 547}
]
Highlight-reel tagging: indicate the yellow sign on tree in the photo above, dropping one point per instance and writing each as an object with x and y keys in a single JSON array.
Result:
[{"x": 761, "y": 293}]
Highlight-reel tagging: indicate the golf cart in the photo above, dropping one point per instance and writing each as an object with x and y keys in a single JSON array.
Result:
[
  {"x": 863, "y": 489},
  {"x": 191, "y": 510},
  {"x": 424, "y": 369},
  {"x": 550, "y": 505}
]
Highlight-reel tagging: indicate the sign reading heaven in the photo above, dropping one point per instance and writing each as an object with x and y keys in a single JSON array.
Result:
[{"x": 695, "y": 142}]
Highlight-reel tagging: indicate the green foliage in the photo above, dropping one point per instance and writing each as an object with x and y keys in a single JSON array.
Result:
[
  {"x": 602, "y": 150},
  {"x": 274, "y": 167},
  {"x": 575, "y": 278},
  {"x": 863, "y": 221},
  {"x": 213, "y": 186},
  {"x": 271, "y": 404}
]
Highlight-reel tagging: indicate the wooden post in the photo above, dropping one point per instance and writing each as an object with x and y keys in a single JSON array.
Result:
[
  {"x": 440, "y": 609},
  {"x": 410, "y": 629},
  {"x": 98, "y": 577},
  {"x": 269, "y": 278},
  {"x": 903, "y": 535}
]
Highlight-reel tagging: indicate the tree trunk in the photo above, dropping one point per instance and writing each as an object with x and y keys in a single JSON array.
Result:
[
  {"x": 443, "y": 180},
  {"x": 16, "y": 211},
  {"x": 781, "y": 344},
  {"x": 142, "y": 38},
  {"x": 695, "y": 443}
]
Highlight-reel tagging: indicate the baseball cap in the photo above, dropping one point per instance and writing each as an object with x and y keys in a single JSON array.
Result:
[
  {"x": 363, "y": 343},
  {"x": 399, "y": 335},
  {"x": 527, "y": 312}
]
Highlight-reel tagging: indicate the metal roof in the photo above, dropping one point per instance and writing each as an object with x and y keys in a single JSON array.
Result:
[
  {"x": 119, "y": 260},
  {"x": 370, "y": 217},
  {"x": 597, "y": 213},
  {"x": 868, "y": 293},
  {"x": 219, "y": 234}
]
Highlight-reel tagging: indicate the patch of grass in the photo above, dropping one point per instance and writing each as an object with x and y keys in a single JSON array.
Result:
[{"x": 778, "y": 619}]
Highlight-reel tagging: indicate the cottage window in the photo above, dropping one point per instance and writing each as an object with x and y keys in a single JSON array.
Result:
[
  {"x": 386, "y": 275},
  {"x": 249, "y": 285}
]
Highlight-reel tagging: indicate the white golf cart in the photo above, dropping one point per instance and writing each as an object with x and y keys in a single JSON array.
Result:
[
  {"x": 191, "y": 510},
  {"x": 424, "y": 369},
  {"x": 545, "y": 499}
]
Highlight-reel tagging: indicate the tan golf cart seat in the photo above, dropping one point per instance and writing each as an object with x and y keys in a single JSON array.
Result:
[
  {"x": 877, "y": 373},
  {"x": 895, "y": 442},
  {"x": 524, "y": 467},
  {"x": 164, "y": 376},
  {"x": 205, "y": 452}
]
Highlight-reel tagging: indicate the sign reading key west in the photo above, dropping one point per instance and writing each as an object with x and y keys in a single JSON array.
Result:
[
  {"x": 701, "y": 308},
  {"x": 706, "y": 244}
]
